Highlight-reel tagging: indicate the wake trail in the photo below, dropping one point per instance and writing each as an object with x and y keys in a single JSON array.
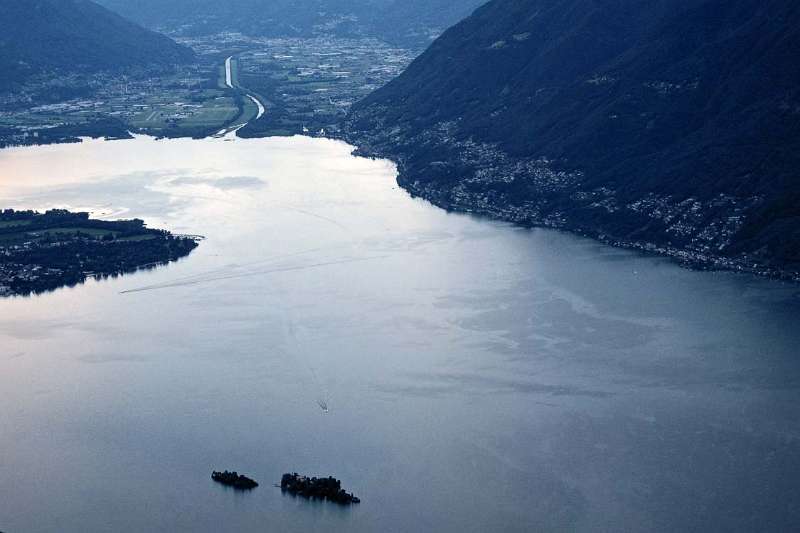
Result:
[
  {"x": 316, "y": 385},
  {"x": 251, "y": 274},
  {"x": 315, "y": 215},
  {"x": 233, "y": 267},
  {"x": 209, "y": 274}
]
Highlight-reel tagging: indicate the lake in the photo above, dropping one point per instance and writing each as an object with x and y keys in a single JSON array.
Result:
[{"x": 477, "y": 376}]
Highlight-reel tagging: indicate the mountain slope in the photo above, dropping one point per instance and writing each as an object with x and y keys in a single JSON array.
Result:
[
  {"x": 668, "y": 124},
  {"x": 75, "y": 35},
  {"x": 405, "y": 22}
]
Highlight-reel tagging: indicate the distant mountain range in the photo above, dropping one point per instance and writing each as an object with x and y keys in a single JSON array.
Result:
[
  {"x": 666, "y": 125},
  {"x": 405, "y": 22},
  {"x": 74, "y": 36}
]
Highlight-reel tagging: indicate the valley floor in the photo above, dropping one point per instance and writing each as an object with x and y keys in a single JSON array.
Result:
[{"x": 305, "y": 84}]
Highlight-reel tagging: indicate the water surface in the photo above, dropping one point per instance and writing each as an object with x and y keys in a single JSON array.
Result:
[{"x": 478, "y": 376}]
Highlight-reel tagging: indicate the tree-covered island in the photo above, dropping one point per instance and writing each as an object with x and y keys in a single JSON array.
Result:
[{"x": 41, "y": 252}]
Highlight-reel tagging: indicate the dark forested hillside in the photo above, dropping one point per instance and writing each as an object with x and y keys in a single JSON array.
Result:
[
  {"x": 75, "y": 35},
  {"x": 671, "y": 125},
  {"x": 405, "y": 22}
]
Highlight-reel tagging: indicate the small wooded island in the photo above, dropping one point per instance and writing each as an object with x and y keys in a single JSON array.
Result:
[
  {"x": 234, "y": 480},
  {"x": 325, "y": 488},
  {"x": 41, "y": 252}
]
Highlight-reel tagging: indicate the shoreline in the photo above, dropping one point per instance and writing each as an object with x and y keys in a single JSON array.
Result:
[
  {"x": 689, "y": 259},
  {"x": 46, "y": 251},
  {"x": 686, "y": 258}
]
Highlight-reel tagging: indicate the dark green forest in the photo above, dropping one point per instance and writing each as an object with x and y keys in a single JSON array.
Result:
[{"x": 677, "y": 99}]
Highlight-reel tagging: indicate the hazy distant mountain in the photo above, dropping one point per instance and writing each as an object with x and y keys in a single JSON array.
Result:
[
  {"x": 75, "y": 35},
  {"x": 673, "y": 123},
  {"x": 408, "y": 22}
]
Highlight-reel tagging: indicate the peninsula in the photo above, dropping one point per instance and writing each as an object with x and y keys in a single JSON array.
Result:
[{"x": 41, "y": 252}]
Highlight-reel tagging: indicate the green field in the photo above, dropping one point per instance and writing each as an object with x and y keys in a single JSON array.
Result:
[
  {"x": 137, "y": 238},
  {"x": 14, "y": 224},
  {"x": 33, "y": 236},
  {"x": 221, "y": 78},
  {"x": 216, "y": 111},
  {"x": 74, "y": 230}
]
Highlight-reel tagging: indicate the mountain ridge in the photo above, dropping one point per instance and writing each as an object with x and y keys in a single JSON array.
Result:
[
  {"x": 402, "y": 22},
  {"x": 75, "y": 35},
  {"x": 669, "y": 126}
]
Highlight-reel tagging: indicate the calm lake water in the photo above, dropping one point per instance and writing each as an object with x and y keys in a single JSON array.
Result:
[{"x": 478, "y": 376}]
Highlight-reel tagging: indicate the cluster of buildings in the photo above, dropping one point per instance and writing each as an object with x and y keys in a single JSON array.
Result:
[{"x": 312, "y": 82}]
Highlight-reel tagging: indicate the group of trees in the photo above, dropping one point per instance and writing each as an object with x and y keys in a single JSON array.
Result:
[{"x": 44, "y": 251}]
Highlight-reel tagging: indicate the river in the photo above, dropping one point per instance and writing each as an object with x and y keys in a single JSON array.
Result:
[
  {"x": 230, "y": 85},
  {"x": 477, "y": 376}
]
